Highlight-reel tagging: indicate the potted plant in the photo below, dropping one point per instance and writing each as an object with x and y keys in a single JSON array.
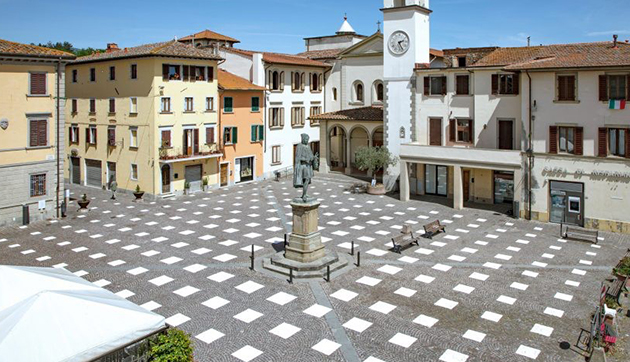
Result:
[
  {"x": 374, "y": 159},
  {"x": 84, "y": 202},
  {"x": 186, "y": 187},
  {"x": 172, "y": 346},
  {"x": 204, "y": 182},
  {"x": 138, "y": 193},
  {"x": 622, "y": 270}
]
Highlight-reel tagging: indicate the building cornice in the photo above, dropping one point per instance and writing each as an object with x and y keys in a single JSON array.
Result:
[{"x": 419, "y": 8}]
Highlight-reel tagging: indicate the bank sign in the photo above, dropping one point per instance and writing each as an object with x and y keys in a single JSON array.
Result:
[{"x": 595, "y": 173}]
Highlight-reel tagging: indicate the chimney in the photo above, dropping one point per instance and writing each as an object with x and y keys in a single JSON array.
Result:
[
  {"x": 112, "y": 47},
  {"x": 615, "y": 41}
]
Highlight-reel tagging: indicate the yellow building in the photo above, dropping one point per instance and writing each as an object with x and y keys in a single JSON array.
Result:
[
  {"x": 144, "y": 116},
  {"x": 31, "y": 123}
]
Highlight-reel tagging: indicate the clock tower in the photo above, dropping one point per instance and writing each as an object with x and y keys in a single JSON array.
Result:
[{"x": 406, "y": 42}]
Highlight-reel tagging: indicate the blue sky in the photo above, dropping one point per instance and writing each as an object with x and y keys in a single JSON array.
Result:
[{"x": 280, "y": 25}]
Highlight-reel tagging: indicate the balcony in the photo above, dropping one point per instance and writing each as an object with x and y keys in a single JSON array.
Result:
[
  {"x": 174, "y": 155},
  {"x": 459, "y": 156}
]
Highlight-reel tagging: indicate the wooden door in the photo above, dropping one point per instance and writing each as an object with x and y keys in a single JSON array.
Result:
[
  {"x": 166, "y": 179},
  {"x": 435, "y": 132},
  {"x": 506, "y": 135},
  {"x": 466, "y": 184},
  {"x": 224, "y": 174}
]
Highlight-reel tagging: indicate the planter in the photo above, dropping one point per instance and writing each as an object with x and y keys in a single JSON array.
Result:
[
  {"x": 83, "y": 204},
  {"x": 622, "y": 278},
  {"x": 379, "y": 189},
  {"x": 138, "y": 195}
]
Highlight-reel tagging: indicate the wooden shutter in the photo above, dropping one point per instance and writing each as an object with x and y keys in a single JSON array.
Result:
[
  {"x": 321, "y": 82},
  {"x": 166, "y": 138},
  {"x": 209, "y": 135},
  {"x": 270, "y": 79},
  {"x": 112, "y": 106},
  {"x": 553, "y": 139},
  {"x": 603, "y": 88},
  {"x": 495, "y": 84},
  {"x": 70, "y": 134},
  {"x": 33, "y": 133},
  {"x": 38, "y": 83},
  {"x": 281, "y": 116},
  {"x": 95, "y": 137},
  {"x": 253, "y": 130},
  {"x": 281, "y": 75},
  {"x": 452, "y": 125},
  {"x": 292, "y": 80},
  {"x": 444, "y": 82},
  {"x": 187, "y": 73},
  {"x": 164, "y": 71},
  {"x": 261, "y": 133},
  {"x": 471, "y": 131},
  {"x": 602, "y": 142},
  {"x": 579, "y": 141},
  {"x": 571, "y": 94},
  {"x": 196, "y": 141},
  {"x": 210, "y": 74},
  {"x": 111, "y": 136},
  {"x": 42, "y": 129},
  {"x": 234, "y": 135},
  {"x": 517, "y": 83},
  {"x": 427, "y": 86},
  {"x": 87, "y": 135},
  {"x": 303, "y": 81},
  {"x": 303, "y": 118}
]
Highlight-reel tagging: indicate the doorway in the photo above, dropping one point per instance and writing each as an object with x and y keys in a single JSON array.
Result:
[
  {"x": 76, "y": 170},
  {"x": 243, "y": 169},
  {"x": 466, "y": 185},
  {"x": 166, "y": 179},
  {"x": 436, "y": 180},
  {"x": 111, "y": 174},
  {"x": 193, "y": 177},
  {"x": 435, "y": 131},
  {"x": 567, "y": 203},
  {"x": 506, "y": 134},
  {"x": 225, "y": 171}
]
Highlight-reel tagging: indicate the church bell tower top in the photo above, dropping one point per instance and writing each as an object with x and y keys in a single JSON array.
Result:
[{"x": 393, "y": 4}]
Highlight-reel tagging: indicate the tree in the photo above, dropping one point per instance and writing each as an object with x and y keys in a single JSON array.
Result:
[
  {"x": 374, "y": 159},
  {"x": 172, "y": 346},
  {"x": 68, "y": 47}
]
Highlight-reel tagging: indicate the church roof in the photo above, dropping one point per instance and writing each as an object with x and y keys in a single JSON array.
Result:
[
  {"x": 279, "y": 58},
  {"x": 345, "y": 27},
  {"x": 372, "y": 113}
]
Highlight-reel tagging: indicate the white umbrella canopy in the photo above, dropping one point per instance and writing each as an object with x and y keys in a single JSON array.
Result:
[{"x": 70, "y": 325}]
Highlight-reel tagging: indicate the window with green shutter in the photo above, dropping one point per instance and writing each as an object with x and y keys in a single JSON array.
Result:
[
  {"x": 255, "y": 104},
  {"x": 228, "y": 105},
  {"x": 254, "y": 136},
  {"x": 234, "y": 135},
  {"x": 261, "y": 133}
]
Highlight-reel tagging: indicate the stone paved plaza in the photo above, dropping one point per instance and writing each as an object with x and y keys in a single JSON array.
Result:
[{"x": 490, "y": 289}]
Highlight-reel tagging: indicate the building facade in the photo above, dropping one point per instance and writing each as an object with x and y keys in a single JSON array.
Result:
[
  {"x": 32, "y": 117},
  {"x": 144, "y": 116},
  {"x": 242, "y": 130}
]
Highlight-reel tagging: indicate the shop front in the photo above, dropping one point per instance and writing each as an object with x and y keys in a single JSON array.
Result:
[{"x": 243, "y": 169}]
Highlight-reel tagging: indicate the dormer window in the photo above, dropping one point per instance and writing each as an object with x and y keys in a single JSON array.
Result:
[{"x": 461, "y": 62}]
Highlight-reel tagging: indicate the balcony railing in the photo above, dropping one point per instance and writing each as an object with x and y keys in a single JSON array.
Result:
[{"x": 170, "y": 154}]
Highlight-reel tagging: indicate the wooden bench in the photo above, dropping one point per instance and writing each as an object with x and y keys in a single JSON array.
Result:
[
  {"x": 433, "y": 228},
  {"x": 575, "y": 233},
  {"x": 616, "y": 289},
  {"x": 404, "y": 240}
]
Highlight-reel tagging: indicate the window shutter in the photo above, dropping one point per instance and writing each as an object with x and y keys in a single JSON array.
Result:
[
  {"x": 292, "y": 80},
  {"x": 310, "y": 80},
  {"x": 42, "y": 138},
  {"x": 427, "y": 86},
  {"x": 33, "y": 133},
  {"x": 78, "y": 137},
  {"x": 254, "y": 129},
  {"x": 187, "y": 73},
  {"x": 321, "y": 82},
  {"x": 281, "y": 117},
  {"x": 210, "y": 74},
  {"x": 302, "y": 117},
  {"x": 111, "y": 136},
  {"x": 261, "y": 133},
  {"x": 471, "y": 131},
  {"x": 166, "y": 138},
  {"x": 553, "y": 139},
  {"x": 495, "y": 84},
  {"x": 196, "y": 141},
  {"x": 69, "y": 134},
  {"x": 281, "y": 81},
  {"x": 627, "y": 144},
  {"x": 571, "y": 91},
  {"x": 579, "y": 141},
  {"x": 444, "y": 82},
  {"x": 234, "y": 135},
  {"x": 269, "y": 79},
  {"x": 517, "y": 83},
  {"x": 302, "y": 81},
  {"x": 602, "y": 142},
  {"x": 164, "y": 71},
  {"x": 38, "y": 83},
  {"x": 95, "y": 137},
  {"x": 603, "y": 88},
  {"x": 87, "y": 135},
  {"x": 452, "y": 129}
]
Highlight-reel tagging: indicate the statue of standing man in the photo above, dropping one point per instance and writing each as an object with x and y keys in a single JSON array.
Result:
[{"x": 305, "y": 163}]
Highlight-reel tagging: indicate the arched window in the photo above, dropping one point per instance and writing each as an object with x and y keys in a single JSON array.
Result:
[
  {"x": 314, "y": 82},
  {"x": 297, "y": 81},
  {"x": 378, "y": 92},
  {"x": 275, "y": 80},
  {"x": 358, "y": 92},
  {"x": 334, "y": 94}
]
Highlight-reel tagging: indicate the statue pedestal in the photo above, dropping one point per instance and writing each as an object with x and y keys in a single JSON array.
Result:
[{"x": 305, "y": 242}]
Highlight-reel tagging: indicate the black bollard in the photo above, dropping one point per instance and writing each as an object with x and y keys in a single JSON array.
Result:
[
  {"x": 252, "y": 257},
  {"x": 358, "y": 258},
  {"x": 285, "y": 241},
  {"x": 291, "y": 276},
  {"x": 352, "y": 248},
  {"x": 328, "y": 273}
]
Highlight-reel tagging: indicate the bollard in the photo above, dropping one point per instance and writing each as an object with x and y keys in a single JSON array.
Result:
[
  {"x": 328, "y": 273},
  {"x": 291, "y": 276},
  {"x": 358, "y": 258},
  {"x": 252, "y": 257},
  {"x": 285, "y": 241},
  {"x": 352, "y": 248}
]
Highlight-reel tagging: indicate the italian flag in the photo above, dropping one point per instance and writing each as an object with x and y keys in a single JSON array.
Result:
[{"x": 613, "y": 104}]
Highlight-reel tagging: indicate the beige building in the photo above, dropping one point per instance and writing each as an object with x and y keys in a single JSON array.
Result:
[
  {"x": 31, "y": 123},
  {"x": 144, "y": 116}
]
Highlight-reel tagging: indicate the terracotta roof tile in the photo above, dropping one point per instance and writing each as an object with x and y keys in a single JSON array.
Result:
[
  {"x": 231, "y": 81},
  {"x": 278, "y": 58},
  {"x": 578, "y": 55},
  {"x": 211, "y": 35},
  {"x": 322, "y": 54},
  {"x": 436, "y": 53},
  {"x": 355, "y": 114},
  {"x": 166, "y": 49},
  {"x": 18, "y": 49}
]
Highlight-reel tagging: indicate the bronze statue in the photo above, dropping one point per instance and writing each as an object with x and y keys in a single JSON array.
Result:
[{"x": 305, "y": 163}]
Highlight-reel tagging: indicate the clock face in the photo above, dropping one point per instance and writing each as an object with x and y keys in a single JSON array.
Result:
[{"x": 399, "y": 42}]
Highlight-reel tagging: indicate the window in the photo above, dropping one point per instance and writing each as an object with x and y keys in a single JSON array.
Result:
[
  {"x": 38, "y": 185},
  {"x": 209, "y": 104},
  {"x": 297, "y": 81},
  {"x": 112, "y": 73},
  {"x": 334, "y": 94},
  {"x": 434, "y": 85},
  {"x": 228, "y": 105},
  {"x": 297, "y": 116},
  {"x": 92, "y": 105},
  {"x": 316, "y": 82},
  {"x": 464, "y": 130},
  {"x": 38, "y": 84},
  {"x": 133, "y": 137},
  {"x": 133, "y": 105},
  {"x": 257, "y": 134},
  {"x": 188, "y": 104},
  {"x": 567, "y": 139},
  {"x": 210, "y": 135},
  {"x": 92, "y": 75},
  {"x": 255, "y": 104},
  {"x": 134, "y": 71},
  {"x": 462, "y": 84},
  {"x": 507, "y": 84},
  {"x": 275, "y": 79},
  {"x": 90, "y": 136},
  {"x": 166, "y": 105},
  {"x": 75, "y": 106},
  {"x": 166, "y": 138},
  {"x": 75, "y": 75},
  {"x": 111, "y": 136},
  {"x": 315, "y": 110},
  {"x": 38, "y": 132},
  {"x": 171, "y": 72},
  {"x": 566, "y": 88},
  {"x": 461, "y": 62},
  {"x": 230, "y": 135},
  {"x": 197, "y": 73},
  {"x": 380, "y": 92},
  {"x": 617, "y": 141},
  {"x": 134, "y": 172},
  {"x": 112, "y": 105},
  {"x": 275, "y": 155},
  {"x": 276, "y": 117},
  {"x": 210, "y": 74},
  {"x": 358, "y": 92},
  {"x": 74, "y": 133},
  {"x": 616, "y": 87}
]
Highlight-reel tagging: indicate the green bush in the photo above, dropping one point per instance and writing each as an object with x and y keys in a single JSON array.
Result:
[
  {"x": 172, "y": 346},
  {"x": 624, "y": 267}
]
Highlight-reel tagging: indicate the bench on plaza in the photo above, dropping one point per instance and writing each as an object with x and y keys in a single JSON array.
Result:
[
  {"x": 576, "y": 233},
  {"x": 286, "y": 171},
  {"x": 616, "y": 289},
  {"x": 404, "y": 240},
  {"x": 357, "y": 188},
  {"x": 433, "y": 228}
]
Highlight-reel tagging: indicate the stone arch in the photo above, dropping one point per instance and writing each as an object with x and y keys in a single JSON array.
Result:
[
  {"x": 358, "y": 92},
  {"x": 359, "y": 137},
  {"x": 378, "y": 137},
  {"x": 337, "y": 147},
  {"x": 378, "y": 91}
]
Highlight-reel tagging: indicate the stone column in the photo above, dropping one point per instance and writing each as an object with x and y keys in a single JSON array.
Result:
[
  {"x": 458, "y": 188},
  {"x": 324, "y": 146},
  {"x": 404, "y": 181},
  {"x": 348, "y": 153},
  {"x": 305, "y": 242}
]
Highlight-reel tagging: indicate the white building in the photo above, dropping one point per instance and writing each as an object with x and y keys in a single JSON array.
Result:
[{"x": 295, "y": 90}]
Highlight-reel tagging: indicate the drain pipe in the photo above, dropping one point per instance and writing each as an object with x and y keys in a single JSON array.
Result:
[
  {"x": 57, "y": 206},
  {"x": 530, "y": 151}
]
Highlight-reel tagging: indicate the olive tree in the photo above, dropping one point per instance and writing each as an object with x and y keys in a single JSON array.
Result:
[{"x": 374, "y": 159}]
